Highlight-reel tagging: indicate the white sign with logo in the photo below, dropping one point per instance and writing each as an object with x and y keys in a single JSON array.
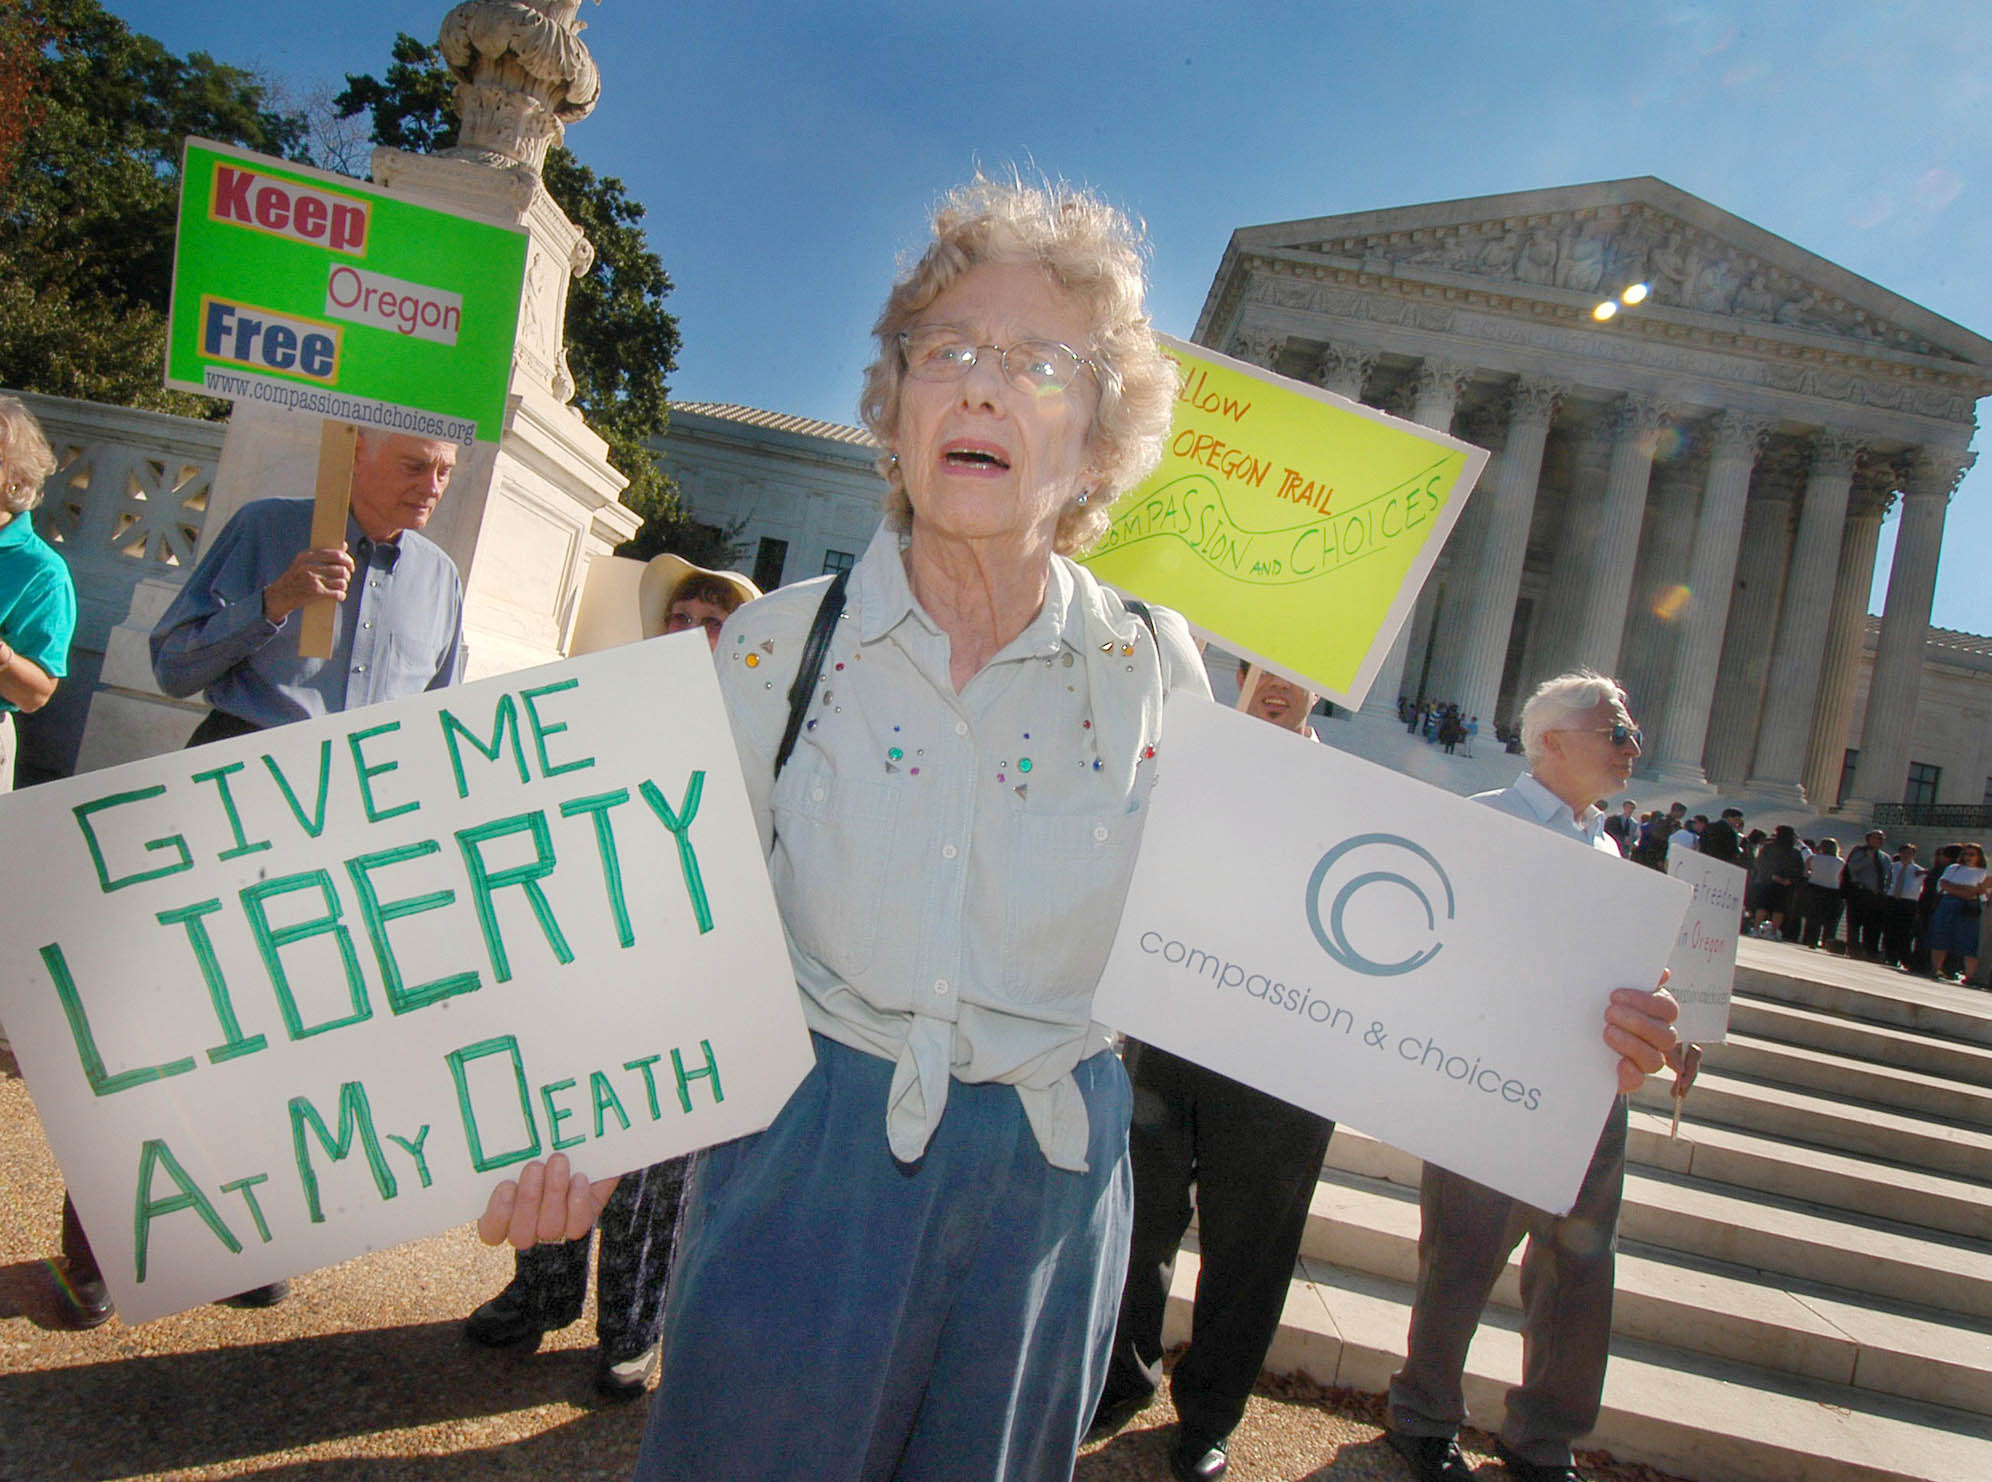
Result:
[
  {"x": 314, "y": 991},
  {"x": 1378, "y": 951},
  {"x": 1704, "y": 960}
]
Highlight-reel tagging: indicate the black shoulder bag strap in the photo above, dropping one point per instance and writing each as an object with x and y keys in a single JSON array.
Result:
[
  {"x": 813, "y": 650},
  {"x": 1140, "y": 609}
]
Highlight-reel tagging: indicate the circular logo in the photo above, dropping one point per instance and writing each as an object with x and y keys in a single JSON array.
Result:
[{"x": 1400, "y": 882}]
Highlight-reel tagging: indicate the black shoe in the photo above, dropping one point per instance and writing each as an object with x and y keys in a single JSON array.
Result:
[
  {"x": 1196, "y": 1459},
  {"x": 625, "y": 1379},
  {"x": 506, "y": 1321},
  {"x": 1532, "y": 1471},
  {"x": 259, "y": 1296},
  {"x": 87, "y": 1303},
  {"x": 1114, "y": 1414},
  {"x": 1431, "y": 1458}
]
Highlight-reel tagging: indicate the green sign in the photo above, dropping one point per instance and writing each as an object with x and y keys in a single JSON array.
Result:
[{"x": 313, "y": 293}]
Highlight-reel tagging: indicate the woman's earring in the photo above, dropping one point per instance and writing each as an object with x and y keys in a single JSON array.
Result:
[{"x": 1082, "y": 499}]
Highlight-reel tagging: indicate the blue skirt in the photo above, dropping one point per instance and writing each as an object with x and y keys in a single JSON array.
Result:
[
  {"x": 841, "y": 1316},
  {"x": 1952, "y": 930}
]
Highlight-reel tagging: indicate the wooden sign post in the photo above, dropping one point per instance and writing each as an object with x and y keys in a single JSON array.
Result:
[{"x": 318, "y": 622}]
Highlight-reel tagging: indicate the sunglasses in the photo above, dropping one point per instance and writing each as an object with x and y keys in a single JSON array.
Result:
[{"x": 1620, "y": 734}]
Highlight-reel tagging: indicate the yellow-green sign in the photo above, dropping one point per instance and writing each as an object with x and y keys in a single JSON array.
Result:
[
  {"x": 1293, "y": 526},
  {"x": 313, "y": 293}
]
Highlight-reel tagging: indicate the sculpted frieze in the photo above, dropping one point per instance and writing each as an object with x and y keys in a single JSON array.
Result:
[
  {"x": 1605, "y": 250},
  {"x": 1950, "y": 402}
]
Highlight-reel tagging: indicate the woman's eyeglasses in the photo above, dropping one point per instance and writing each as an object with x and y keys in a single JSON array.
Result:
[{"x": 941, "y": 352}]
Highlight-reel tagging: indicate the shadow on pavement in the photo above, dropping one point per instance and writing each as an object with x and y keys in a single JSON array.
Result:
[{"x": 153, "y": 1413}]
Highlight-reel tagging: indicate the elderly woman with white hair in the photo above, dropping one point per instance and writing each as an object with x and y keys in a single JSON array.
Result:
[
  {"x": 37, "y": 598},
  {"x": 914, "y": 1271}
]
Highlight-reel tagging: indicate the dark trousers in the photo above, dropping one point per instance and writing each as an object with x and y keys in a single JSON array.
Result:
[
  {"x": 638, "y": 1228},
  {"x": 219, "y": 725},
  {"x": 1254, "y": 1161},
  {"x": 1465, "y": 1236},
  {"x": 1819, "y": 913},
  {"x": 1898, "y": 932},
  {"x": 77, "y": 1256},
  {"x": 1867, "y": 914}
]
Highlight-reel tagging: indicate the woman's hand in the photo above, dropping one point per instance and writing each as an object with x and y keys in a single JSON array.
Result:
[
  {"x": 1640, "y": 1027},
  {"x": 546, "y": 1203}
]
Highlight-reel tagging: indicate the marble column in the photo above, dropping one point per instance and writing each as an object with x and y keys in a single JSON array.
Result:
[
  {"x": 1491, "y": 613},
  {"x": 1437, "y": 385},
  {"x": 1344, "y": 369},
  {"x": 1761, "y": 564},
  {"x": 1684, "y": 714},
  {"x": 1840, "y": 663},
  {"x": 1809, "y": 593},
  {"x": 1905, "y": 627},
  {"x": 1653, "y": 619},
  {"x": 1553, "y": 646},
  {"x": 1462, "y": 565},
  {"x": 1614, "y": 554}
]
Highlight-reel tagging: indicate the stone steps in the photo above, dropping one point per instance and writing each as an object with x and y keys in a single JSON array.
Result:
[
  {"x": 1813, "y": 1029},
  {"x": 1821, "y": 1120},
  {"x": 1862, "y": 992},
  {"x": 1789, "y": 1321},
  {"x": 1692, "y": 1415},
  {"x": 1747, "y": 1160},
  {"x": 1852, "y": 1077},
  {"x": 1805, "y": 1272}
]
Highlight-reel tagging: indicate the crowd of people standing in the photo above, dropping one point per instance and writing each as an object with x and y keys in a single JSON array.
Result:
[
  {"x": 1896, "y": 911},
  {"x": 1442, "y": 723}
]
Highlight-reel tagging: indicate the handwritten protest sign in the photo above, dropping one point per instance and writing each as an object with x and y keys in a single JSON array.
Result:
[
  {"x": 323, "y": 295},
  {"x": 1382, "y": 952},
  {"x": 1704, "y": 960},
  {"x": 1292, "y": 525},
  {"x": 288, "y": 998}
]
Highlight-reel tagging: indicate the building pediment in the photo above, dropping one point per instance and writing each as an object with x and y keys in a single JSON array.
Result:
[{"x": 1703, "y": 265}]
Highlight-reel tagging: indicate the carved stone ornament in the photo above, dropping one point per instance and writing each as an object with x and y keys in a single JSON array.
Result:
[
  {"x": 1443, "y": 379},
  {"x": 1740, "y": 436},
  {"x": 1603, "y": 251},
  {"x": 1833, "y": 453},
  {"x": 1640, "y": 416},
  {"x": 1257, "y": 346},
  {"x": 1935, "y": 472},
  {"x": 1535, "y": 401},
  {"x": 523, "y": 74},
  {"x": 1344, "y": 368}
]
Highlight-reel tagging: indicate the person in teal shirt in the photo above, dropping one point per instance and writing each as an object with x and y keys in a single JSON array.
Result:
[{"x": 37, "y": 598}]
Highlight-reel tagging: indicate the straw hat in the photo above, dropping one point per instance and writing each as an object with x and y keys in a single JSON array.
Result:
[
  {"x": 625, "y": 601},
  {"x": 659, "y": 587}
]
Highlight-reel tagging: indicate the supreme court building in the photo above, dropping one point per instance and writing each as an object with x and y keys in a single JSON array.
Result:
[{"x": 1687, "y": 494}]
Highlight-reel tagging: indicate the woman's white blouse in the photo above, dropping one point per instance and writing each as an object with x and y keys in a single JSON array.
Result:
[{"x": 951, "y": 867}]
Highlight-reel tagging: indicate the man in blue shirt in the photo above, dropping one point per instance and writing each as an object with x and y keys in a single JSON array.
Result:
[
  {"x": 1581, "y": 745},
  {"x": 233, "y": 632}
]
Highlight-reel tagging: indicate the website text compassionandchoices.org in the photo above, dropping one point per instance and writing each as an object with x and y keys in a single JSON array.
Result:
[{"x": 359, "y": 409}]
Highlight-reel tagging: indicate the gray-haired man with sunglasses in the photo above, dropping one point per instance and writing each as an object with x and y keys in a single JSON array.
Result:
[{"x": 1581, "y": 745}]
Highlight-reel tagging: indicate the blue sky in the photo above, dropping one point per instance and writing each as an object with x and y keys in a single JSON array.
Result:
[{"x": 788, "y": 152}]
